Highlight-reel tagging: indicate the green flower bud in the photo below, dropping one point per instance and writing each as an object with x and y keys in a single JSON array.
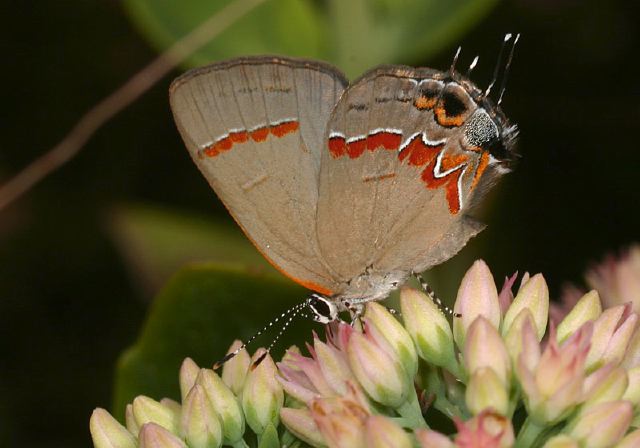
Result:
[
  {"x": 147, "y": 410},
  {"x": 106, "y": 432},
  {"x": 200, "y": 424},
  {"x": 224, "y": 403},
  {"x": 262, "y": 396}
]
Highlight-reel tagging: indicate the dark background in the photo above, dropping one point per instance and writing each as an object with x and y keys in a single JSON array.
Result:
[{"x": 67, "y": 304}]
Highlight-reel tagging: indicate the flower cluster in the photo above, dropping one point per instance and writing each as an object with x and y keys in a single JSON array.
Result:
[{"x": 496, "y": 377}]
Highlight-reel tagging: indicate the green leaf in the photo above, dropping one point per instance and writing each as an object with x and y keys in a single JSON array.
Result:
[
  {"x": 198, "y": 314},
  {"x": 156, "y": 242},
  {"x": 284, "y": 26},
  {"x": 353, "y": 34}
]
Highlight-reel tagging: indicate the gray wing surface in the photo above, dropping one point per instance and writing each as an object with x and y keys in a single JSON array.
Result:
[{"x": 255, "y": 129}]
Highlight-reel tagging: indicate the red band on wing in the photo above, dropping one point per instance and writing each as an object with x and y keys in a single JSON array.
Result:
[
  {"x": 386, "y": 140},
  {"x": 416, "y": 153},
  {"x": 260, "y": 134},
  {"x": 282, "y": 129},
  {"x": 338, "y": 145},
  {"x": 449, "y": 181}
]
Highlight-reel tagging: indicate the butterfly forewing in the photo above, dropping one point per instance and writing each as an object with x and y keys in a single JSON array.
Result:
[{"x": 255, "y": 128}]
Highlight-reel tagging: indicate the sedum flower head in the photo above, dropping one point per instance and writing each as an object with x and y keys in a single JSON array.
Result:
[{"x": 499, "y": 372}]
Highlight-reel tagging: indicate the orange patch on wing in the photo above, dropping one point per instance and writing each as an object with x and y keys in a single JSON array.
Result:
[
  {"x": 260, "y": 134},
  {"x": 482, "y": 166},
  {"x": 386, "y": 140},
  {"x": 282, "y": 129},
  {"x": 356, "y": 148},
  {"x": 450, "y": 161},
  {"x": 424, "y": 102},
  {"x": 337, "y": 146},
  {"x": 450, "y": 184},
  {"x": 418, "y": 153},
  {"x": 446, "y": 120},
  {"x": 239, "y": 137},
  {"x": 211, "y": 151}
]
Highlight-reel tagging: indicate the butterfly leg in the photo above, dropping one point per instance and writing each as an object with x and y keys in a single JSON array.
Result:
[
  {"x": 432, "y": 295},
  {"x": 356, "y": 310}
]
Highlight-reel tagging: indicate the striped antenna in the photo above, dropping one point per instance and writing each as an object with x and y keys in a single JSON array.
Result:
[
  {"x": 291, "y": 312},
  {"x": 507, "y": 38},
  {"x": 503, "y": 86},
  {"x": 472, "y": 66},
  {"x": 455, "y": 60},
  {"x": 432, "y": 295}
]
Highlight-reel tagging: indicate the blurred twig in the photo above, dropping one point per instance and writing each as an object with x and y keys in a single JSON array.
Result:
[{"x": 102, "y": 112}]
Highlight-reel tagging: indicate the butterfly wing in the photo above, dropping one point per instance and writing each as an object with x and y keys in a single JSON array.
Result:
[
  {"x": 399, "y": 170},
  {"x": 255, "y": 128}
]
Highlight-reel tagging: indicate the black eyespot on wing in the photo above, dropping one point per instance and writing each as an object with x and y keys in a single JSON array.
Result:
[
  {"x": 453, "y": 105},
  {"x": 430, "y": 92}
]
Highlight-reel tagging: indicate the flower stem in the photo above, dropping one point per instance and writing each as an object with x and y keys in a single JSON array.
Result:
[
  {"x": 411, "y": 412},
  {"x": 528, "y": 434}
]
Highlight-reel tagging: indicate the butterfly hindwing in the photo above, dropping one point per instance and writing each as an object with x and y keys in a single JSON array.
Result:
[{"x": 398, "y": 173}]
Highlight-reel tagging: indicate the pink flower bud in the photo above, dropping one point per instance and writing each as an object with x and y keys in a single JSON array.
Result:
[
  {"x": 553, "y": 385},
  {"x": 234, "y": 371},
  {"x": 396, "y": 335},
  {"x": 632, "y": 393},
  {"x": 608, "y": 383},
  {"x": 156, "y": 436},
  {"x": 188, "y": 372},
  {"x": 301, "y": 424},
  {"x": 381, "y": 432},
  {"x": 484, "y": 348},
  {"x": 513, "y": 337},
  {"x": 603, "y": 424},
  {"x": 477, "y": 296},
  {"x": 432, "y": 439},
  {"x": 341, "y": 421},
  {"x": 612, "y": 332},
  {"x": 533, "y": 296},
  {"x": 486, "y": 429},
  {"x": 631, "y": 440},
  {"x": 380, "y": 374}
]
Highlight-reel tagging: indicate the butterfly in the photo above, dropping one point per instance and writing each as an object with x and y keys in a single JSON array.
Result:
[{"x": 346, "y": 188}]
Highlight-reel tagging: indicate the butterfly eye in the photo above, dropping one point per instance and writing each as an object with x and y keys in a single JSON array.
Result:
[{"x": 323, "y": 310}]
